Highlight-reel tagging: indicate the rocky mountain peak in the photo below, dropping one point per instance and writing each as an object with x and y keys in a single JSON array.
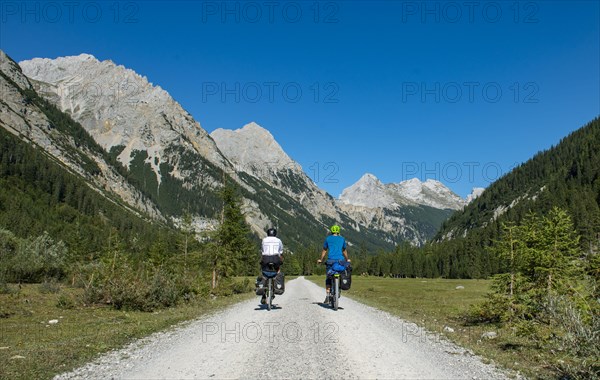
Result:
[
  {"x": 59, "y": 68},
  {"x": 368, "y": 178},
  {"x": 120, "y": 108},
  {"x": 255, "y": 129},
  {"x": 22, "y": 115},
  {"x": 253, "y": 148},
  {"x": 368, "y": 191},
  {"x": 371, "y": 192}
]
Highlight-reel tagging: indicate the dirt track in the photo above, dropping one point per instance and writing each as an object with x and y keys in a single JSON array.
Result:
[{"x": 300, "y": 338}]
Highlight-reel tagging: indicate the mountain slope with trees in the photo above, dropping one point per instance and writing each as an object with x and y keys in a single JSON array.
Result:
[
  {"x": 70, "y": 212},
  {"x": 566, "y": 176}
]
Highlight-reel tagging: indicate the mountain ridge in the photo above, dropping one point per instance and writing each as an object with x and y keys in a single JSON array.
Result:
[
  {"x": 409, "y": 192},
  {"x": 165, "y": 150},
  {"x": 178, "y": 166},
  {"x": 255, "y": 151},
  {"x": 116, "y": 93},
  {"x": 27, "y": 116},
  {"x": 141, "y": 126}
]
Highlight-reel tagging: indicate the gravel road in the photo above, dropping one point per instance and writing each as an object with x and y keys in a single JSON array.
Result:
[{"x": 300, "y": 338}]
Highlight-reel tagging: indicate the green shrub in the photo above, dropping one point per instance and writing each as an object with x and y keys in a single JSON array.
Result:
[
  {"x": 224, "y": 288},
  {"x": 93, "y": 291},
  {"x": 130, "y": 295},
  {"x": 244, "y": 286},
  {"x": 34, "y": 260},
  {"x": 191, "y": 286},
  {"x": 223, "y": 291},
  {"x": 8, "y": 244},
  {"x": 126, "y": 282},
  {"x": 493, "y": 310},
  {"x": 577, "y": 335},
  {"x": 7, "y": 288},
  {"x": 123, "y": 284},
  {"x": 228, "y": 287},
  {"x": 163, "y": 291},
  {"x": 65, "y": 302}
]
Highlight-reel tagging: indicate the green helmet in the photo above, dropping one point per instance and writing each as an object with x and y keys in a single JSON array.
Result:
[{"x": 335, "y": 229}]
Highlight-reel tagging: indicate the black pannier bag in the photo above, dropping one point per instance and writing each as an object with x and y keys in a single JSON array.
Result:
[
  {"x": 279, "y": 283},
  {"x": 261, "y": 285},
  {"x": 346, "y": 278}
]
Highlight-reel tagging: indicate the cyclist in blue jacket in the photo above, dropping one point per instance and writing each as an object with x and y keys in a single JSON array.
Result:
[{"x": 336, "y": 249}]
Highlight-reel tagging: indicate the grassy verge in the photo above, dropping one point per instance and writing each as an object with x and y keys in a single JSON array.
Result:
[
  {"x": 437, "y": 305},
  {"x": 32, "y": 347}
]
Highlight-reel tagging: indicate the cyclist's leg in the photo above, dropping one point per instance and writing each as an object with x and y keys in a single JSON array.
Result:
[{"x": 327, "y": 288}]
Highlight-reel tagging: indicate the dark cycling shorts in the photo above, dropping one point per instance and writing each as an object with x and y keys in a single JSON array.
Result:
[{"x": 266, "y": 261}]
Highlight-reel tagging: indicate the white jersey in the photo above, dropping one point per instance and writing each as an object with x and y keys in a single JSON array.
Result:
[{"x": 272, "y": 246}]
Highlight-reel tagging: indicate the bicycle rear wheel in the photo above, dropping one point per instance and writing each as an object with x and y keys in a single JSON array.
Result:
[{"x": 270, "y": 294}]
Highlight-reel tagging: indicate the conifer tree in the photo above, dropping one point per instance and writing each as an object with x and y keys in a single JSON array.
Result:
[
  {"x": 187, "y": 234},
  {"x": 558, "y": 250},
  {"x": 232, "y": 251},
  {"x": 509, "y": 249}
]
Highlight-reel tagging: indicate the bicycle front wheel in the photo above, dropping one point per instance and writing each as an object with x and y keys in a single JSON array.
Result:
[{"x": 336, "y": 296}]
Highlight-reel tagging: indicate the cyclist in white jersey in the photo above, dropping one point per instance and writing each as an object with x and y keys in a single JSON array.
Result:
[
  {"x": 272, "y": 252},
  {"x": 272, "y": 245}
]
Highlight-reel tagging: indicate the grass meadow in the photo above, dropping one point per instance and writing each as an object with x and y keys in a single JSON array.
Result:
[{"x": 33, "y": 347}]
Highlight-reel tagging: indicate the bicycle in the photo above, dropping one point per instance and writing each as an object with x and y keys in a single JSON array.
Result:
[
  {"x": 269, "y": 273},
  {"x": 334, "y": 271}
]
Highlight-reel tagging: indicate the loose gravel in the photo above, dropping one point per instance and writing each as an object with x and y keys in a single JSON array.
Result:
[{"x": 299, "y": 339}]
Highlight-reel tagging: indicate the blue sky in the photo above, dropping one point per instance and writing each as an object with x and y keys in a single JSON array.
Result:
[{"x": 455, "y": 91}]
